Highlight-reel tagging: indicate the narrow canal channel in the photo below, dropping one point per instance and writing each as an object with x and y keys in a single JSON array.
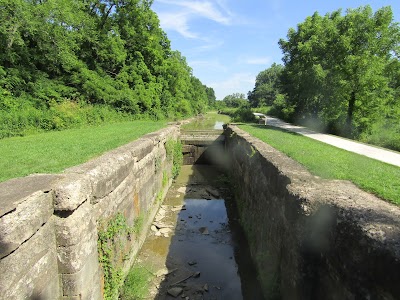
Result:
[{"x": 196, "y": 248}]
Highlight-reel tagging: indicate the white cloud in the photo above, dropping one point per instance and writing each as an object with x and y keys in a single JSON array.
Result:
[
  {"x": 179, "y": 14},
  {"x": 205, "y": 9},
  {"x": 177, "y": 22},
  {"x": 237, "y": 83}
]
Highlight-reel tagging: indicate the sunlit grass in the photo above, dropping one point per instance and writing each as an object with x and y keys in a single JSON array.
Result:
[
  {"x": 53, "y": 152},
  {"x": 330, "y": 162},
  {"x": 136, "y": 285}
]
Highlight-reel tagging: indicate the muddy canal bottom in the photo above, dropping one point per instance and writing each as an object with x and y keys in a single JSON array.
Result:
[{"x": 195, "y": 248}]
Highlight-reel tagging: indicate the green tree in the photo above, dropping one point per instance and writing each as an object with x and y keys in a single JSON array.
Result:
[
  {"x": 335, "y": 68},
  {"x": 235, "y": 100},
  {"x": 210, "y": 96},
  {"x": 103, "y": 52},
  {"x": 267, "y": 87}
]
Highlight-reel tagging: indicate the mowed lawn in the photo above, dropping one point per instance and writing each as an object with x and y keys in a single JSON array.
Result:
[
  {"x": 53, "y": 152},
  {"x": 330, "y": 162}
]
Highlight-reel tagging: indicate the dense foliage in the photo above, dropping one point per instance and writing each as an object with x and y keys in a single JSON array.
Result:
[
  {"x": 237, "y": 107},
  {"x": 267, "y": 87},
  {"x": 341, "y": 73},
  {"x": 91, "y": 53},
  {"x": 234, "y": 100}
]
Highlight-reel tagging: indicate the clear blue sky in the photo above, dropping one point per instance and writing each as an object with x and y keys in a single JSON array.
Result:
[{"x": 228, "y": 42}]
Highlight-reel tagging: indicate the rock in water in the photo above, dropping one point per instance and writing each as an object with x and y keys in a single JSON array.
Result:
[
  {"x": 175, "y": 291},
  {"x": 204, "y": 230}
]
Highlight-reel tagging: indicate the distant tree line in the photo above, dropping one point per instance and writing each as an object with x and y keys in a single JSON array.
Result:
[
  {"x": 341, "y": 73},
  {"x": 72, "y": 55}
]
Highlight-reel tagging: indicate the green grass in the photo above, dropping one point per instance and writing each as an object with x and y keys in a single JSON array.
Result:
[
  {"x": 136, "y": 285},
  {"x": 207, "y": 122},
  {"x": 53, "y": 152},
  {"x": 330, "y": 162}
]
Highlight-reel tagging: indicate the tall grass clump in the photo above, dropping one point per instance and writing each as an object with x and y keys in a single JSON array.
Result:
[{"x": 20, "y": 117}]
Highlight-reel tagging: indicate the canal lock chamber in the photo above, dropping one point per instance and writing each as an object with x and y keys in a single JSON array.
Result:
[
  {"x": 243, "y": 221},
  {"x": 196, "y": 248}
]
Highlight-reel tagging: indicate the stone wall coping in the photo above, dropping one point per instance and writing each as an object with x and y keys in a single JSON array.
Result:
[
  {"x": 15, "y": 191},
  {"x": 378, "y": 219}
]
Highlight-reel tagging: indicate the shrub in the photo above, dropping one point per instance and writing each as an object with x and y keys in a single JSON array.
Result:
[
  {"x": 384, "y": 134},
  {"x": 244, "y": 114}
]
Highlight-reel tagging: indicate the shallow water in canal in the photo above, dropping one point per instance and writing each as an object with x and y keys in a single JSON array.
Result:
[{"x": 196, "y": 248}]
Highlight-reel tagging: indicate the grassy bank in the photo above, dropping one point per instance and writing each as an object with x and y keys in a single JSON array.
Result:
[
  {"x": 52, "y": 152},
  {"x": 330, "y": 162}
]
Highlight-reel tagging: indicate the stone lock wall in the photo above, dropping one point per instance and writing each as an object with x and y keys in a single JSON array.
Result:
[
  {"x": 312, "y": 238},
  {"x": 49, "y": 224}
]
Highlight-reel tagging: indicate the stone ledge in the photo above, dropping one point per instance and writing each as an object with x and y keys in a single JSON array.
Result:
[
  {"x": 24, "y": 221},
  {"x": 17, "y": 190},
  {"x": 315, "y": 228}
]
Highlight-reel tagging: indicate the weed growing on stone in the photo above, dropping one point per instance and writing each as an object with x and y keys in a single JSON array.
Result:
[
  {"x": 110, "y": 239},
  {"x": 157, "y": 164},
  {"x": 174, "y": 153},
  {"x": 165, "y": 179},
  {"x": 253, "y": 151},
  {"x": 138, "y": 224}
]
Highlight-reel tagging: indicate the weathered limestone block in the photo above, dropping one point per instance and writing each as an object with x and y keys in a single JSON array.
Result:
[
  {"x": 76, "y": 239},
  {"x": 71, "y": 192},
  {"x": 73, "y": 229},
  {"x": 312, "y": 238},
  {"x": 139, "y": 148},
  {"x": 21, "y": 223},
  {"x": 162, "y": 135},
  {"x": 15, "y": 191},
  {"x": 106, "y": 172},
  {"x": 110, "y": 204},
  {"x": 147, "y": 194},
  {"x": 48, "y": 225},
  {"x": 85, "y": 282},
  {"x": 31, "y": 270},
  {"x": 146, "y": 168}
]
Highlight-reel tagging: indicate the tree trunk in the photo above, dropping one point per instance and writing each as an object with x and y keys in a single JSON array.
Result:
[{"x": 350, "y": 110}]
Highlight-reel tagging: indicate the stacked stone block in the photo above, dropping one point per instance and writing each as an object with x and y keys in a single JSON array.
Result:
[
  {"x": 312, "y": 238},
  {"x": 49, "y": 223}
]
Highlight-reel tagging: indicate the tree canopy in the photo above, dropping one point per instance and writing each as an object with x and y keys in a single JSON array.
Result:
[
  {"x": 343, "y": 69},
  {"x": 107, "y": 52},
  {"x": 267, "y": 87},
  {"x": 235, "y": 100}
]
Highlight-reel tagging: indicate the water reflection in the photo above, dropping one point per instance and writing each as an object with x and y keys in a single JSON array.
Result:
[
  {"x": 218, "y": 125},
  {"x": 205, "y": 254}
]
